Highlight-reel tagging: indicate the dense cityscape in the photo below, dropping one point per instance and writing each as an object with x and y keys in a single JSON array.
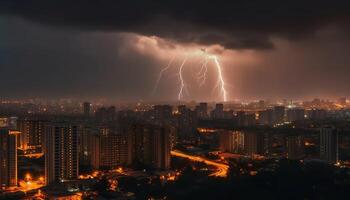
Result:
[
  {"x": 174, "y": 100},
  {"x": 79, "y": 150}
]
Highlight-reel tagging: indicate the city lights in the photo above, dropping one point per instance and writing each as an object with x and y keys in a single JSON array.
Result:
[{"x": 174, "y": 100}]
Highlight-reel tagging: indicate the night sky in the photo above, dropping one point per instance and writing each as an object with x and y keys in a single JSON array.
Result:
[{"x": 111, "y": 49}]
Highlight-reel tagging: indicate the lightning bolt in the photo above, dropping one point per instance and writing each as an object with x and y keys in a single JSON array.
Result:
[
  {"x": 161, "y": 74},
  {"x": 220, "y": 78},
  {"x": 182, "y": 82},
  {"x": 203, "y": 74},
  {"x": 202, "y": 67}
]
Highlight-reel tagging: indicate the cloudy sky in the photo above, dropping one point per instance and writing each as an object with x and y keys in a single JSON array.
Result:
[{"x": 115, "y": 49}]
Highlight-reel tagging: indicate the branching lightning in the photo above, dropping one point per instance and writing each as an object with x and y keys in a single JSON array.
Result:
[
  {"x": 182, "y": 82},
  {"x": 161, "y": 74},
  {"x": 220, "y": 78},
  {"x": 201, "y": 75},
  {"x": 202, "y": 67}
]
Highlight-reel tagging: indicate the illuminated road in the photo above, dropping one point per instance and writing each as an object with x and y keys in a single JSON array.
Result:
[
  {"x": 221, "y": 168},
  {"x": 33, "y": 155},
  {"x": 30, "y": 184}
]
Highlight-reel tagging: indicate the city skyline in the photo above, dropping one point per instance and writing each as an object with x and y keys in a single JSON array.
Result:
[
  {"x": 89, "y": 150},
  {"x": 269, "y": 50},
  {"x": 174, "y": 99}
]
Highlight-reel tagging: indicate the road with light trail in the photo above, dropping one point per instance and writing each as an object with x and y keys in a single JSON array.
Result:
[{"x": 221, "y": 168}]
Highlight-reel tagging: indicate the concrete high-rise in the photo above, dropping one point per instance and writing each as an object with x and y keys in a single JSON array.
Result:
[
  {"x": 231, "y": 141},
  {"x": 295, "y": 114},
  {"x": 266, "y": 117},
  {"x": 8, "y": 158},
  {"x": 186, "y": 121},
  {"x": 255, "y": 143},
  {"x": 31, "y": 133},
  {"x": 279, "y": 112},
  {"x": 85, "y": 133},
  {"x": 295, "y": 147},
  {"x": 202, "y": 110},
  {"x": 163, "y": 112},
  {"x": 61, "y": 152},
  {"x": 329, "y": 144},
  {"x": 151, "y": 145},
  {"x": 317, "y": 114},
  {"x": 106, "y": 115},
  {"x": 86, "y": 109},
  {"x": 110, "y": 148},
  {"x": 218, "y": 112}
]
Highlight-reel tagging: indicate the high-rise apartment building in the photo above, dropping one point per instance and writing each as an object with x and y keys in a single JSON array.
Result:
[
  {"x": 8, "y": 158},
  {"x": 84, "y": 140},
  {"x": 266, "y": 117},
  {"x": 31, "y": 133},
  {"x": 295, "y": 147},
  {"x": 279, "y": 112},
  {"x": 255, "y": 143},
  {"x": 186, "y": 121},
  {"x": 218, "y": 112},
  {"x": 106, "y": 115},
  {"x": 86, "y": 109},
  {"x": 151, "y": 145},
  {"x": 163, "y": 112},
  {"x": 61, "y": 152},
  {"x": 110, "y": 148},
  {"x": 329, "y": 144},
  {"x": 231, "y": 141},
  {"x": 202, "y": 110},
  {"x": 317, "y": 114},
  {"x": 295, "y": 114}
]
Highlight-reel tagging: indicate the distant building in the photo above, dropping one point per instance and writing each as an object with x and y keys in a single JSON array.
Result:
[
  {"x": 249, "y": 119},
  {"x": 278, "y": 113},
  {"x": 163, "y": 112},
  {"x": 101, "y": 115},
  {"x": 110, "y": 148},
  {"x": 254, "y": 143},
  {"x": 317, "y": 114},
  {"x": 111, "y": 113},
  {"x": 105, "y": 115},
  {"x": 246, "y": 119},
  {"x": 61, "y": 152},
  {"x": 262, "y": 104},
  {"x": 266, "y": 117},
  {"x": 295, "y": 147},
  {"x": 173, "y": 136},
  {"x": 229, "y": 114},
  {"x": 240, "y": 118},
  {"x": 151, "y": 145},
  {"x": 186, "y": 121},
  {"x": 231, "y": 141},
  {"x": 182, "y": 109},
  {"x": 218, "y": 112},
  {"x": 8, "y": 158},
  {"x": 8, "y": 122},
  {"x": 329, "y": 144},
  {"x": 32, "y": 131},
  {"x": 87, "y": 109},
  {"x": 295, "y": 114},
  {"x": 202, "y": 111},
  {"x": 84, "y": 140}
]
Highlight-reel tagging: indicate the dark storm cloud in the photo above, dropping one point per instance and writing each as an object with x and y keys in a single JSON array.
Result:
[
  {"x": 36, "y": 61},
  {"x": 88, "y": 49},
  {"x": 233, "y": 24}
]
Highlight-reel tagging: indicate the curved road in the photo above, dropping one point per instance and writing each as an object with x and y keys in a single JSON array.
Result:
[{"x": 221, "y": 168}]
